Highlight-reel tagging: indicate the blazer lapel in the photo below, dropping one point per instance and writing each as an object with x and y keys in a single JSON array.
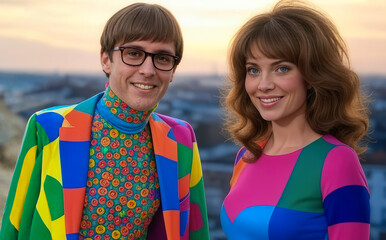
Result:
[
  {"x": 74, "y": 147},
  {"x": 165, "y": 150}
]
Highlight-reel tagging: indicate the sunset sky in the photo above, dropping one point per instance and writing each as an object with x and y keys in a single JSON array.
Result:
[{"x": 62, "y": 36}]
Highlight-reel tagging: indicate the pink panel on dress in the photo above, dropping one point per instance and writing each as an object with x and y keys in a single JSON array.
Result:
[
  {"x": 341, "y": 168},
  {"x": 349, "y": 231},
  {"x": 260, "y": 183},
  {"x": 332, "y": 140}
]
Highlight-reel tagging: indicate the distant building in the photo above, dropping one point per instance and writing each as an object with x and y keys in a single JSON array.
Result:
[
  {"x": 197, "y": 100},
  {"x": 376, "y": 179}
]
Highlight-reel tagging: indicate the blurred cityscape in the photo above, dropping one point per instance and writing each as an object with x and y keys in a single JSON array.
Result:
[{"x": 192, "y": 98}]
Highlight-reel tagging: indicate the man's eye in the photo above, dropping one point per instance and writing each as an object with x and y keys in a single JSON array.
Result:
[
  {"x": 163, "y": 58},
  {"x": 133, "y": 53}
]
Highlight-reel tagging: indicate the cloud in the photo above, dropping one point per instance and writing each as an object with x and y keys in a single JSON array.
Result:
[
  {"x": 20, "y": 2},
  {"x": 35, "y": 56},
  {"x": 367, "y": 55},
  {"x": 70, "y": 27}
]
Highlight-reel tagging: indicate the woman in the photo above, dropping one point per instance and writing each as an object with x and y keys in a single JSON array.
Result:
[{"x": 296, "y": 107}]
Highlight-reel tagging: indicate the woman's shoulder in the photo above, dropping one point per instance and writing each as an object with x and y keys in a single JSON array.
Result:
[
  {"x": 341, "y": 168},
  {"x": 340, "y": 154},
  {"x": 240, "y": 154},
  {"x": 328, "y": 143}
]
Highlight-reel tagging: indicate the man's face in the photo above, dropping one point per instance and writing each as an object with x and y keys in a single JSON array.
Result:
[{"x": 140, "y": 87}]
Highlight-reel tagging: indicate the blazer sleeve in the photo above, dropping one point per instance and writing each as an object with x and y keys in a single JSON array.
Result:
[
  {"x": 25, "y": 187},
  {"x": 198, "y": 227},
  {"x": 346, "y": 198}
]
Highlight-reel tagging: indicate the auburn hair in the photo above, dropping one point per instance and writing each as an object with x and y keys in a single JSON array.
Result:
[{"x": 304, "y": 36}]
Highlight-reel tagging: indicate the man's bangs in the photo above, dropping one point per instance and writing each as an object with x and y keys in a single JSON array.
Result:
[{"x": 152, "y": 26}]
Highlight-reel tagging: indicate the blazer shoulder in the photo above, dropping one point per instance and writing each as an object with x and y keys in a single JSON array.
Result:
[
  {"x": 180, "y": 129},
  {"x": 171, "y": 121},
  {"x": 87, "y": 107}
]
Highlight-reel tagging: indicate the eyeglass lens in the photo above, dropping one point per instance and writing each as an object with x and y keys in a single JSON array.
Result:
[{"x": 133, "y": 56}]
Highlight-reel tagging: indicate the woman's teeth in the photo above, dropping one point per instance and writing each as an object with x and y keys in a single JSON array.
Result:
[{"x": 269, "y": 100}]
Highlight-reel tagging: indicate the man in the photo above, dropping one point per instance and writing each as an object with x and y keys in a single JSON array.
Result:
[{"x": 109, "y": 167}]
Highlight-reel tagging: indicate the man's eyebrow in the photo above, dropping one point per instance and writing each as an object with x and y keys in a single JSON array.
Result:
[{"x": 141, "y": 48}]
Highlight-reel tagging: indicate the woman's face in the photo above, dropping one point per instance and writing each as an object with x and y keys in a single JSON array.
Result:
[{"x": 275, "y": 87}]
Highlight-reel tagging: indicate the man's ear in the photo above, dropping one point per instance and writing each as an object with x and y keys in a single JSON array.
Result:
[
  {"x": 172, "y": 76},
  {"x": 106, "y": 62}
]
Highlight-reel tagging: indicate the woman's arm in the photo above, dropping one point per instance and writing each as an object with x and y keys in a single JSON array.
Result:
[{"x": 346, "y": 197}]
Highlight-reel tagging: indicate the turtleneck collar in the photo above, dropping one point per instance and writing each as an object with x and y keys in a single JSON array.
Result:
[{"x": 120, "y": 115}]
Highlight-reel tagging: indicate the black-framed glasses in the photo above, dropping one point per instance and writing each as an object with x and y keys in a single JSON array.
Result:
[{"x": 135, "y": 57}]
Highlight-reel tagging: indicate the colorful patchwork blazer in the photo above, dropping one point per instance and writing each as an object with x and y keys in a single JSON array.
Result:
[{"x": 47, "y": 192}]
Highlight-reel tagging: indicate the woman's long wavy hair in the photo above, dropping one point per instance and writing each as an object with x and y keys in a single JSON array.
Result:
[{"x": 297, "y": 33}]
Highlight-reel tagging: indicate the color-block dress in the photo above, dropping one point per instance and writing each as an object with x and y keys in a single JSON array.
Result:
[
  {"x": 122, "y": 193},
  {"x": 315, "y": 193}
]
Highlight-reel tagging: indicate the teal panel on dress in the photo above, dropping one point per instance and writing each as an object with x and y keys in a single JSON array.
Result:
[{"x": 303, "y": 190}]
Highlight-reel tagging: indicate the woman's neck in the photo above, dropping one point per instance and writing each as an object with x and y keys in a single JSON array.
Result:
[{"x": 289, "y": 137}]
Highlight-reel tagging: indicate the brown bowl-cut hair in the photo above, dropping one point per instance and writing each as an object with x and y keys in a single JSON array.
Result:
[
  {"x": 298, "y": 33},
  {"x": 142, "y": 21}
]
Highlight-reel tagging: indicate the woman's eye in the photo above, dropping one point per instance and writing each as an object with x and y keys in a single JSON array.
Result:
[
  {"x": 253, "y": 71},
  {"x": 282, "y": 69}
]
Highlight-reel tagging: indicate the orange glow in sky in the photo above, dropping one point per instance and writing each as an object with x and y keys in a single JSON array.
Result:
[{"x": 62, "y": 36}]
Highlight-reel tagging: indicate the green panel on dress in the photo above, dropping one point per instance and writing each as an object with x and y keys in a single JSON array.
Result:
[
  {"x": 303, "y": 190},
  {"x": 39, "y": 229},
  {"x": 54, "y": 194},
  {"x": 186, "y": 153}
]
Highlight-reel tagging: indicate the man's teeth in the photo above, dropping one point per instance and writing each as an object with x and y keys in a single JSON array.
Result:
[
  {"x": 269, "y": 100},
  {"x": 142, "y": 86}
]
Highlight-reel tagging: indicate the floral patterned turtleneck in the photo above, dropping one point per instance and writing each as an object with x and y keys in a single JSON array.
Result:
[{"x": 122, "y": 192}]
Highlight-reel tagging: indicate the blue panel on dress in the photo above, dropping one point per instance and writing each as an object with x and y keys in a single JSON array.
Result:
[
  {"x": 51, "y": 122},
  {"x": 74, "y": 159},
  {"x": 183, "y": 221},
  {"x": 252, "y": 223},
  {"x": 348, "y": 204},
  {"x": 168, "y": 180},
  {"x": 241, "y": 153},
  {"x": 297, "y": 225}
]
